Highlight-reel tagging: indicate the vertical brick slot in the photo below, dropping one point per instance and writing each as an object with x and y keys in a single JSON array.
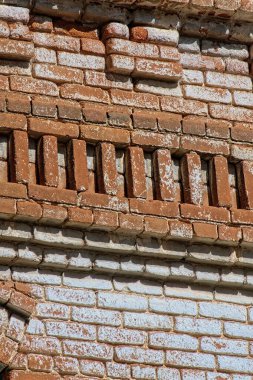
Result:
[
  {"x": 91, "y": 165},
  {"x": 48, "y": 161},
  {"x": 62, "y": 166},
  {"x": 135, "y": 173},
  {"x": 120, "y": 164},
  {"x": 233, "y": 183},
  {"x": 245, "y": 181},
  {"x": 192, "y": 179},
  {"x": 19, "y": 157},
  {"x": 149, "y": 174},
  {"x": 205, "y": 174},
  {"x": 106, "y": 169},
  {"x": 219, "y": 178},
  {"x": 163, "y": 175},
  {"x": 4, "y": 167},
  {"x": 78, "y": 176}
]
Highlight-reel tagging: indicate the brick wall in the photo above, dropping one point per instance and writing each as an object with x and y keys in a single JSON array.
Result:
[{"x": 126, "y": 200}]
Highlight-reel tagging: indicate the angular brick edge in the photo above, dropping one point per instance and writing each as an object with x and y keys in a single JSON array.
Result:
[{"x": 18, "y": 303}]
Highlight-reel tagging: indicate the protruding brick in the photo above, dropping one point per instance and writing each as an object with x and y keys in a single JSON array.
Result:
[
  {"x": 220, "y": 189},
  {"x": 164, "y": 175},
  {"x": 135, "y": 173},
  {"x": 245, "y": 178},
  {"x": 106, "y": 169},
  {"x": 48, "y": 161},
  {"x": 19, "y": 157},
  {"x": 77, "y": 167},
  {"x": 192, "y": 181}
]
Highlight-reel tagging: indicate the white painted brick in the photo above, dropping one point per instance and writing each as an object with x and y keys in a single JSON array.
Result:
[
  {"x": 243, "y": 98},
  {"x": 93, "y": 368},
  {"x": 71, "y": 296},
  {"x": 8, "y": 252},
  {"x": 146, "y": 373},
  {"x": 212, "y": 254},
  {"x": 36, "y": 276},
  {"x": 119, "y": 371},
  {"x": 107, "y": 263},
  {"x": 139, "y": 355},
  {"x": 207, "y": 274},
  {"x": 190, "y": 360},
  {"x": 168, "y": 374},
  {"x": 157, "y": 268},
  {"x": 31, "y": 255},
  {"x": 192, "y": 77},
  {"x": 173, "y": 341},
  {"x": 5, "y": 273},
  {"x": 51, "y": 310},
  {"x": 223, "y": 311},
  {"x": 147, "y": 321},
  {"x": 122, "y": 301},
  {"x": 232, "y": 81},
  {"x": 198, "y": 326},
  {"x": 189, "y": 45},
  {"x": 13, "y": 13},
  {"x": 138, "y": 286},
  {"x": 79, "y": 260},
  {"x": 232, "y": 277},
  {"x": 173, "y": 306},
  {"x": 96, "y": 316},
  {"x": 234, "y": 296},
  {"x": 55, "y": 258},
  {"x": 182, "y": 271},
  {"x": 133, "y": 264},
  {"x": 188, "y": 291},
  {"x": 189, "y": 374},
  {"x": 221, "y": 49},
  {"x": 87, "y": 281},
  {"x": 159, "y": 88},
  {"x": 208, "y": 94},
  {"x": 35, "y": 327},
  {"x": 52, "y": 235},
  {"x": 235, "y": 364},
  {"x": 45, "y": 55},
  {"x": 71, "y": 330},
  {"x": 121, "y": 336},
  {"x": 81, "y": 61},
  {"x": 224, "y": 346},
  {"x": 238, "y": 330},
  {"x": 87, "y": 350}
]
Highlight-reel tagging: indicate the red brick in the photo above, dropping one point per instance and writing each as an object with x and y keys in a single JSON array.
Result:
[
  {"x": 77, "y": 165},
  {"x": 19, "y": 160},
  {"x": 158, "y": 70},
  {"x": 33, "y": 86},
  {"x": 94, "y": 113},
  {"x": 240, "y": 216},
  {"x": 229, "y": 235},
  {"x": 81, "y": 92},
  {"x": 105, "y": 220},
  {"x": 163, "y": 173},
  {"x": 52, "y": 214},
  {"x": 135, "y": 173},
  {"x": 153, "y": 139},
  {"x": 95, "y": 133},
  {"x": 56, "y": 42},
  {"x": 201, "y": 145},
  {"x": 169, "y": 122},
  {"x": 220, "y": 188},
  {"x": 8, "y": 349},
  {"x": 21, "y": 303},
  {"x": 208, "y": 213},
  {"x": 218, "y": 129},
  {"x": 245, "y": 178},
  {"x": 9, "y": 121},
  {"x": 106, "y": 169},
  {"x": 104, "y": 201},
  {"x": 19, "y": 103},
  {"x": 43, "y": 106},
  {"x": 41, "y": 23},
  {"x": 23, "y": 375},
  {"x": 48, "y": 161},
  {"x": 194, "y": 125},
  {"x": 40, "y": 362},
  {"x": 205, "y": 232},
  {"x": 20, "y": 50},
  {"x": 13, "y": 190},
  {"x": 7, "y": 207},
  {"x": 247, "y": 235},
  {"x": 130, "y": 224},
  {"x": 192, "y": 179},
  {"x": 55, "y": 128},
  {"x": 156, "y": 227},
  {"x": 52, "y": 194},
  {"x": 145, "y": 120},
  {"x": 183, "y": 106},
  {"x": 69, "y": 110},
  {"x": 154, "y": 207},
  {"x": 89, "y": 45},
  {"x": 75, "y": 29},
  {"x": 29, "y": 211},
  {"x": 57, "y": 74},
  {"x": 78, "y": 217},
  {"x": 131, "y": 99},
  {"x": 242, "y": 132},
  {"x": 4, "y": 83}
]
